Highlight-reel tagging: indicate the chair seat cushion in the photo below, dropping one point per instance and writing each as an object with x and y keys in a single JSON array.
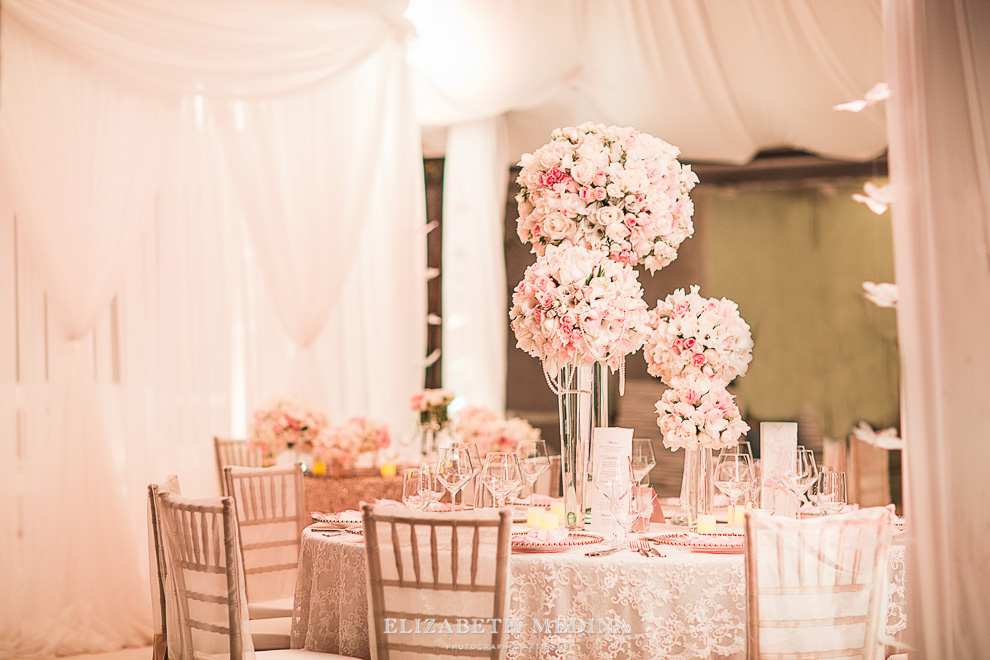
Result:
[
  {"x": 270, "y": 609},
  {"x": 271, "y": 634}
]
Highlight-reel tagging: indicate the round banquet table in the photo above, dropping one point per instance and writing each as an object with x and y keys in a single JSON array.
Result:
[{"x": 687, "y": 605}]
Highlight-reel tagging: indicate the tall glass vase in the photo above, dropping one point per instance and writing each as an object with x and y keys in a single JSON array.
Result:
[
  {"x": 582, "y": 403},
  {"x": 698, "y": 486}
]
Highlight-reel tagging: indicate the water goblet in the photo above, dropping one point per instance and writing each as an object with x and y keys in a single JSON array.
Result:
[
  {"x": 411, "y": 478},
  {"x": 501, "y": 475},
  {"x": 533, "y": 461},
  {"x": 430, "y": 489},
  {"x": 454, "y": 469},
  {"x": 802, "y": 475},
  {"x": 832, "y": 491},
  {"x": 734, "y": 476},
  {"x": 644, "y": 459}
]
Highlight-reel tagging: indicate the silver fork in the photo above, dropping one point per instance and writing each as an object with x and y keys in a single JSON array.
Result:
[
  {"x": 637, "y": 546},
  {"x": 647, "y": 549}
]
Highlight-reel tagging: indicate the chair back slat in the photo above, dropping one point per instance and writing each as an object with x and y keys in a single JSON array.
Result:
[
  {"x": 271, "y": 514},
  {"x": 435, "y": 589},
  {"x": 814, "y": 587}
]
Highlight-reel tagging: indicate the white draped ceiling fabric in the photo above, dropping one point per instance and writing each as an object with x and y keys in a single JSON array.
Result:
[
  {"x": 721, "y": 79},
  {"x": 310, "y": 102},
  {"x": 938, "y": 59}
]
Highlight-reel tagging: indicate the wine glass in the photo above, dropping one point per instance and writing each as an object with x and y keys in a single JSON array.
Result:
[
  {"x": 501, "y": 475},
  {"x": 803, "y": 473},
  {"x": 454, "y": 468},
  {"x": 643, "y": 459},
  {"x": 734, "y": 476},
  {"x": 832, "y": 491},
  {"x": 615, "y": 483},
  {"x": 476, "y": 461},
  {"x": 430, "y": 490},
  {"x": 533, "y": 461},
  {"x": 411, "y": 479}
]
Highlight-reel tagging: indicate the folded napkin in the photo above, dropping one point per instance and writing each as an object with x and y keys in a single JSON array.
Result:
[
  {"x": 390, "y": 503},
  {"x": 543, "y": 536}
]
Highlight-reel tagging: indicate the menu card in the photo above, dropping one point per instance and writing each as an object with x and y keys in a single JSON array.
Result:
[
  {"x": 778, "y": 448},
  {"x": 611, "y": 451}
]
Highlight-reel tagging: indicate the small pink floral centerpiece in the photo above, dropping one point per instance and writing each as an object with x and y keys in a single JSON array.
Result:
[
  {"x": 340, "y": 446},
  {"x": 287, "y": 424},
  {"x": 699, "y": 414},
  {"x": 431, "y": 404},
  {"x": 609, "y": 188},
  {"x": 577, "y": 305},
  {"x": 490, "y": 432},
  {"x": 693, "y": 337}
]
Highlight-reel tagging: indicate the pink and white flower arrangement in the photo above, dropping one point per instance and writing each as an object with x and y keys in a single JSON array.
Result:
[
  {"x": 608, "y": 188},
  {"x": 431, "y": 404},
  {"x": 693, "y": 337},
  {"x": 699, "y": 414},
  {"x": 341, "y": 445},
  {"x": 490, "y": 432},
  {"x": 577, "y": 305},
  {"x": 285, "y": 424}
]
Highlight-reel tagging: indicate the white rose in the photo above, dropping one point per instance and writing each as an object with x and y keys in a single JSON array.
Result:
[
  {"x": 548, "y": 158},
  {"x": 556, "y": 226},
  {"x": 584, "y": 172},
  {"x": 608, "y": 215}
]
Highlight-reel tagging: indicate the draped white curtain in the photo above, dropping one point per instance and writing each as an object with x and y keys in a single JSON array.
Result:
[
  {"x": 476, "y": 172},
  {"x": 191, "y": 344},
  {"x": 938, "y": 62},
  {"x": 82, "y": 156}
]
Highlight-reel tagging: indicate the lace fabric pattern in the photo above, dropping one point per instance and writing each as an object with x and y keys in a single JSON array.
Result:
[{"x": 685, "y": 606}]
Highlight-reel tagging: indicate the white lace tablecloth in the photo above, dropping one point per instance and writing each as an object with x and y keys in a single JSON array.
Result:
[{"x": 685, "y": 606}]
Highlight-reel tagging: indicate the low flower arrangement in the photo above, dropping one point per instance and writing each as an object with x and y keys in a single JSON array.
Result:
[
  {"x": 577, "y": 305},
  {"x": 693, "y": 337},
  {"x": 491, "y": 432},
  {"x": 609, "y": 188},
  {"x": 699, "y": 414},
  {"x": 431, "y": 404},
  {"x": 340, "y": 446},
  {"x": 287, "y": 424}
]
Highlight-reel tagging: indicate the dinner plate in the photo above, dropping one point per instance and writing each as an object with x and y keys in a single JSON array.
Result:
[
  {"x": 336, "y": 520},
  {"x": 727, "y": 544},
  {"x": 575, "y": 539}
]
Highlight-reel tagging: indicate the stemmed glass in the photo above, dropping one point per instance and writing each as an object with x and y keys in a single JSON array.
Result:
[
  {"x": 643, "y": 460},
  {"x": 803, "y": 474},
  {"x": 501, "y": 475},
  {"x": 832, "y": 491},
  {"x": 430, "y": 490},
  {"x": 454, "y": 469},
  {"x": 411, "y": 479},
  {"x": 616, "y": 485},
  {"x": 476, "y": 462},
  {"x": 533, "y": 461},
  {"x": 734, "y": 476}
]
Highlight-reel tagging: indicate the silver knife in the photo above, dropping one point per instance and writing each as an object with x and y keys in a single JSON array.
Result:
[{"x": 601, "y": 553}]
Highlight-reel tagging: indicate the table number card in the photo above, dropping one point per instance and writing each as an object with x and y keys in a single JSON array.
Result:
[
  {"x": 611, "y": 450},
  {"x": 778, "y": 448}
]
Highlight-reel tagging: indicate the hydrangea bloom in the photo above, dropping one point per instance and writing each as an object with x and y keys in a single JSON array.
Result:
[
  {"x": 341, "y": 445},
  {"x": 286, "y": 423},
  {"x": 693, "y": 337},
  {"x": 608, "y": 188},
  {"x": 699, "y": 414},
  {"x": 490, "y": 432},
  {"x": 577, "y": 305}
]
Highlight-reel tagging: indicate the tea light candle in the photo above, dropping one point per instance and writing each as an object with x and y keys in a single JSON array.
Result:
[
  {"x": 737, "y": 514},
  {"x": 388, "y": 469},
  {"x": 558, "y": 508},
  {"x": 549, "y": 520},
  {"x": 534, "y": 516},
  {"x": 319, "y": 468},
  {"x": 706, "y": 524}
]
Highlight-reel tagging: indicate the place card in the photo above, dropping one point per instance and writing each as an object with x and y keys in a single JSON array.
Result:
[
  {"x": 778, "y": 448},
  {"x": 611, "y": 451}
]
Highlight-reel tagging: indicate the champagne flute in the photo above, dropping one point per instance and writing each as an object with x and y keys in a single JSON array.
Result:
[
  {"x": 644, "y": 459},
  {"x": 832, "y": 491},
  {"x": 533, "y": 461},
  {"x": 501, "y": 475},
  {"x": 734, "y": 476},
  {"x": 454, "y": 468},
  {"x": 411, "y": 478}
]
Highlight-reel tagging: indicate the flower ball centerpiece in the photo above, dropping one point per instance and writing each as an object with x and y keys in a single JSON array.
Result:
[
  {"x": 287, "y": 424},
  {"x": 575, "y": 305},
  {"x": 699, "y": 414},
  {"x": 610, "y": 188},
  {"x": 693, "y": 337}
]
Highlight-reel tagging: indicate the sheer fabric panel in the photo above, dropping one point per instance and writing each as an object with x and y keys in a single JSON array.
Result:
[{"x": 938, "y": 68}]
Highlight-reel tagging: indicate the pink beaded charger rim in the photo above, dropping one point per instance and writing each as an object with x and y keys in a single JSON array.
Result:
[
  {"x": 573, "y": 540},
  {"x": 336, "y": 519},
  {"x": 688, "y": 539}
]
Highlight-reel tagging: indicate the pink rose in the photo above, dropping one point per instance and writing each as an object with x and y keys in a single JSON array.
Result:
[{"x": 698, "y": 359}]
